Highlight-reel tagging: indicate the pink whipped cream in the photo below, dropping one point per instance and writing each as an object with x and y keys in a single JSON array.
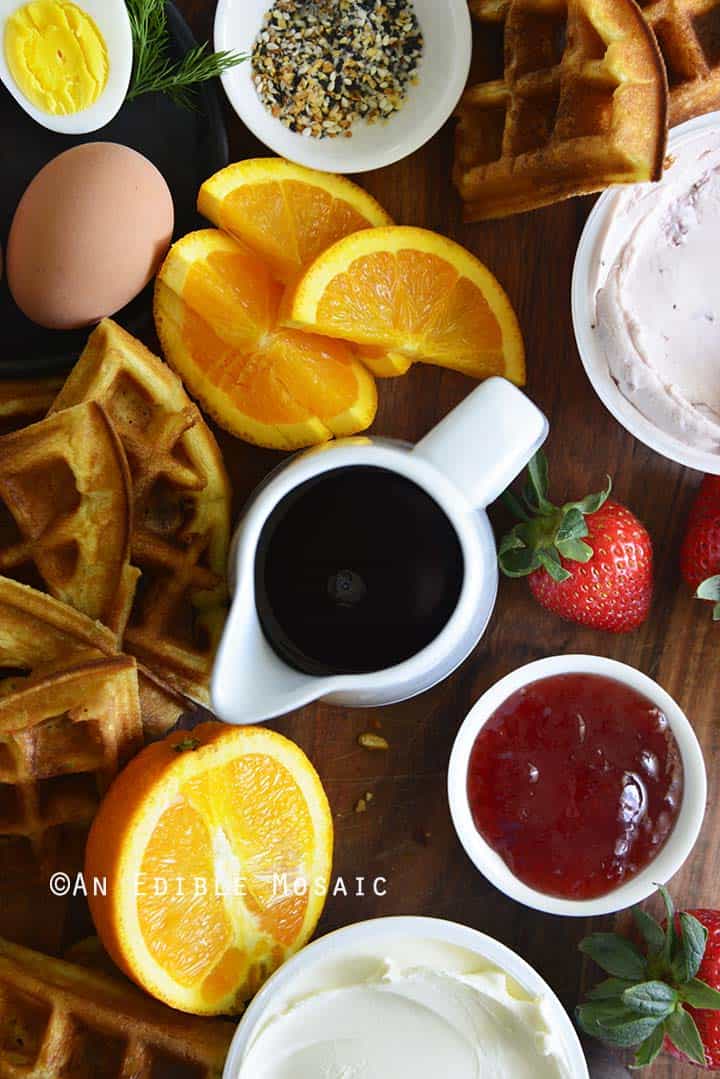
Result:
[{"x": 657, "y": 298}]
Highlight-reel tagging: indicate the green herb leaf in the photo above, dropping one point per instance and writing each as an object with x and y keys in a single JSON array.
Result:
[
  {"x": 611, "y": 988},
  {"x": 616, "y": 955},
  {"x": 700, "y": 995},
  {"x": 651, "y": 998},
  {"x": 691, "y": 948},
  {"x": 710, "y": 590},
  {"x": 650, "y": 1048},
  {"x": 652, "y": 931},
  {"x": 615, "y": 1023},
  {"x": 670, "y": 935},
  {"x": 154, "y": 71},
  {"x": 684, "y": 1034}
]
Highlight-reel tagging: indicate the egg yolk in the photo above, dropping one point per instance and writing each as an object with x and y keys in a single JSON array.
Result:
[{"x": 57, "y": 56}]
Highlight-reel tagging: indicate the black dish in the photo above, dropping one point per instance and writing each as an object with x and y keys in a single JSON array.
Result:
[{"x": 186, "y": 147}]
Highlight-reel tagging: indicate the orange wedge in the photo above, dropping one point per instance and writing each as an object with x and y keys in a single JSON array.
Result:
[
  {"x": 216, "y": 314},
  {"x": 410, "y": 293},
  {"x": 216, "y": 846},
  {"x": 287, "y": 214}
]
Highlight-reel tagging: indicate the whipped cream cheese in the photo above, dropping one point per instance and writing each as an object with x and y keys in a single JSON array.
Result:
[
  {"x": 383, "y": 1018},
  {"x": 657, "y": 298}
]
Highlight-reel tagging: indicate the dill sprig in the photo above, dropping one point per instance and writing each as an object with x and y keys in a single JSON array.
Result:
[{"x": 154, "y": 70}]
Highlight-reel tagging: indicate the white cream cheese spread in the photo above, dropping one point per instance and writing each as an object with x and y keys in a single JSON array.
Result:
[
  {"x": 388, "y": 1019},
  {"x": 657, "y": 299}
]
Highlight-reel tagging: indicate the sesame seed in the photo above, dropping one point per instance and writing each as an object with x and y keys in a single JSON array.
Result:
[{"x": 320, "y": 66}]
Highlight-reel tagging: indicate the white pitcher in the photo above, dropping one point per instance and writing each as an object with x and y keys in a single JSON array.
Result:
[{"x": 464, "y": 464}]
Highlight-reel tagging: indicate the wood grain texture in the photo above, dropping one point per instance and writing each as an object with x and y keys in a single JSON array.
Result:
[{"x": 406, "y": 834}]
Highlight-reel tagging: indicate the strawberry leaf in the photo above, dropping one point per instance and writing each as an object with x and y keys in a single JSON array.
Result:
[
  {"x": 592, "y": 503},
  {"x": 710, "y": 590},
  {"x": 610, "y": 989},
  {"x": 573, "y": 527},
  {"x": 614, "y": 1022},
  {"x": 575, "y": 550},
  {"x": 650, "y": 1048},
  {"x": 651, "y": 998},
  {"x": 700, "y": 995},
  {"x": 670, "y": 936},
  {"x": 616, "y": 955},
  {"x": 652, "y": 932},
  {"x": 515, "y": 506},
  {"x": 691, "y": 948},
  {"x": 539, "y": 484},
  {"x": 550, "y": 560},
  {"x": 685, "y": 1036}
]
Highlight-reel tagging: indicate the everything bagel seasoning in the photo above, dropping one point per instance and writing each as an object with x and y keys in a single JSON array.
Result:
[{"x": 319, "y": 66}]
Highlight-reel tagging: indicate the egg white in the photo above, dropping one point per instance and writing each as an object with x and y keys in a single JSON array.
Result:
[{"x": 111, "y": 18}]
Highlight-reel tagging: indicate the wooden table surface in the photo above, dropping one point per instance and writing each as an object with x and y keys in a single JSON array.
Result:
[{"x": 406, "y": 835}]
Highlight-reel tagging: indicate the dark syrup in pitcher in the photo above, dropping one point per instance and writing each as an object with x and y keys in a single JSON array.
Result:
[{"x": 356, "y": 570}]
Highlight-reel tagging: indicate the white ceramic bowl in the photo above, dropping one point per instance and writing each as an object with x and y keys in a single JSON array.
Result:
[
  {"x": 583, "y": 314},
  {"x": 355, "y": 940},
  {"x": 442, "y": 76},
  {"x": 680, "y": 842}
]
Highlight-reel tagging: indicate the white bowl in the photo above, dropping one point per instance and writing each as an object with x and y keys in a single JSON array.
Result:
[
  {"x": 681, "y": 840},
  {"x": 355, "y": 941},
  {"x": 444, "y": 69},
  {"x": 584, "y": 280}
]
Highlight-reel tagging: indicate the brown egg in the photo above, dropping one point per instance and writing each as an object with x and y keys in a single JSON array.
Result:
[{"x": 89, "y": 233}]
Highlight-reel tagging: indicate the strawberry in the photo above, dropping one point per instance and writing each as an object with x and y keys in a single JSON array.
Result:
[
  {"x": 589, "y": 562},
  {"x": 700, "y": 555},
  {"x": 665, "y": 996}
]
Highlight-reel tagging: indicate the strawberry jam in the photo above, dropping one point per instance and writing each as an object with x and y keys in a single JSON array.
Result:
[{"x": 576, "y": 781}]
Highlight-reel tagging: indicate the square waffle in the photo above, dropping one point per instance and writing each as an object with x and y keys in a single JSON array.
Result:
[
  {"x": 573, "y": 98},
  {"x": 181, "y": 507},
  {"x": 65, "y": 512},
  {"x": 688, "y": 33},
  {"x": 61, "y": 1020},
  {"x": 63, "y": 738}
]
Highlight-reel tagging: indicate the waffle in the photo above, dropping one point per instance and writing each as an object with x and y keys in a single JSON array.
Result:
[
  {"x": 23, "y": 401},
  {"x": 181, "y": 505},
  {"x": 573, "y": 98},
  {"x": 60, "y": 1020},
  {"x": 65, "y": 512},
  {"x": 62, "y": 740},
  {"x": 40, "y": 635},
  {"x": 688, "y": 33}
]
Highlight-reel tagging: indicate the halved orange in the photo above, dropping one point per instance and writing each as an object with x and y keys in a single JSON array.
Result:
[
  {"x": 216, "y": 849},
  {"x": 411, "y": 292},
  {"x": 216, "y": 312},
  {"x": 286, "y": 213}
]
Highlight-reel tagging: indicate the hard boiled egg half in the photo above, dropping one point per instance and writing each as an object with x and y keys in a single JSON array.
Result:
[{"x": 67, "y": 63}]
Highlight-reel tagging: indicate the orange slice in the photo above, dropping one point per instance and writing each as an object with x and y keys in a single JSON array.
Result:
[
  {"x": 411, "y": 292},
  {"x": 216, "y": 846},
  {"x": 216, "y": 312},
  {"x": 286, "y": 213}
]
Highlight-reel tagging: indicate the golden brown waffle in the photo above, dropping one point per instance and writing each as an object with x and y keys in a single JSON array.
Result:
[
  {"x": 181, "y": 505},
  {"x": 62, "y": 740},
  {"x": 40, "y": 635},
  {"x": 688, "y": 33},
  {"x": 22, "y": 401},
  {"x": 65, "y": 512},
  {"x": 573, "y": 98},
  {"x": 60, "y": 1020}
]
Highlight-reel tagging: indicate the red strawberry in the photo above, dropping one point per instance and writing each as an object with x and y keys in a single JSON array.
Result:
[
  {"x": 589, "y": 562},
  {"x": 665, "y": 997},
  {"x": 700, "y": 555},
  {"x": 707, "y": 1022}
]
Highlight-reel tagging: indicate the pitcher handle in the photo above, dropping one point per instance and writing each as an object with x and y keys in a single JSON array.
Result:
[{"x": 484, "y": 443}]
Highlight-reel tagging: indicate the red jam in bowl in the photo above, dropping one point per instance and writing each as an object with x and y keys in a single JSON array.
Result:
[{"x": 576, "y": 782}]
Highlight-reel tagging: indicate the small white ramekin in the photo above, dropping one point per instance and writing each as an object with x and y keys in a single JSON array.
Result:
[
  {"x": 364, "y": 938},
  {"x": 585, "y": 274},
  {"x": 681, "y": 840},
  {"x": 430, "y": 102}
]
